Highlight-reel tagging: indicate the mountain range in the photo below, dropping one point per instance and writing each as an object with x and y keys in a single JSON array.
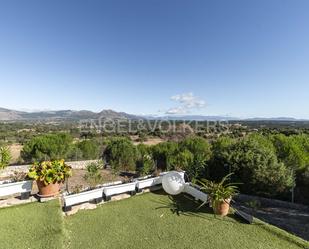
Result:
[
  {"x": 65, "y": 115},
  {"x": 71, "y": 115}
]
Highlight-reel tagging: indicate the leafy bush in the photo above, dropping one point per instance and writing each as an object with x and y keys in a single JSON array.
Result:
[
  {"x": 162, "y": 152},
  {"x": 75, "y": 153},
  {"x": 47, "y": 147},
  {"x": 55, "y": 171},
  {"x": 90, "y": 149},
  {"x": 121, "y": 154},
  {"x": 5, "y": 157},
  {"x": 181, "y": 160},
  {"x": 93, "y": 173},
  {"x": 293, "y": 151},
  {"x": 145, "y": 164},
  {"x": 254, "y": 162},
  {"x": 220, "y": 160},
  {"x": 196, "y": 152}
]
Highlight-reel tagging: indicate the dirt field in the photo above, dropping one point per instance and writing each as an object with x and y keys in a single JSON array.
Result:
[
  {"x": 77, "y": 180},
  {"x": 15, "y": 150},
  {"x": 150, "y": 141}
]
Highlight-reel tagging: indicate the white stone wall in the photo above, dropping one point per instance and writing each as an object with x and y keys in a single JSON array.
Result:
[
  {"x": 80, "y": 164},
  {"x": 24, "y": 168}
]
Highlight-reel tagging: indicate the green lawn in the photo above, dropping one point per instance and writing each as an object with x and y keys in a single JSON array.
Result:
[
  {"x": 144, "y": 221},
  {"x": 36, "y": 225}
]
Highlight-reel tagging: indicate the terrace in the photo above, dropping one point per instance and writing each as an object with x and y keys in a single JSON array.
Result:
[
  {"x": 154, "y": 220},
  {"x": 134, "y": 213}
]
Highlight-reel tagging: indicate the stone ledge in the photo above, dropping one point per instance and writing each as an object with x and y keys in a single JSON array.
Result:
[
  {"x": 24, "y": 168},
  {"x": 13, "y": 201}
]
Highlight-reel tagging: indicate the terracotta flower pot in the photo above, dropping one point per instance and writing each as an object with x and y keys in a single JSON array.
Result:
[
  {"x": 48, "y": 190},
  {"x": 222, "y": 207}
]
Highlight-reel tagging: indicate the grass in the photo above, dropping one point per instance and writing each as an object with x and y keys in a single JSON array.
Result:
[
  {"x": 147, "y": 221},
  {"x": 35, "y": 225}
]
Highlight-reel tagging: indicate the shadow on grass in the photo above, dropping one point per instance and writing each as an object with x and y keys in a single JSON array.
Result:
[
  {"x": 158, "y": 192},
  {"x": 188, "y": 206},
  {"x": 184, "y": 205},
  {"x": 237, "y": 218}
]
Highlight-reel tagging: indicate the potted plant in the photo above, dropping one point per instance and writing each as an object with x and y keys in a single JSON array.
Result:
[
  {"x": 220, "y": 194},
  {"x": 49, "y": 175}
]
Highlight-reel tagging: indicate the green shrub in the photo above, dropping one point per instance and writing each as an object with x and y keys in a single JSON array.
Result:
[
  {"x": 90, "y": 149},
  {"x": 220, "y": 160},
  {"x": 93, "y": 173},
  {"x": 121, "y": 154},
  {"x": 293, "y": 151},
  {"x": 181, "y": 160},
  {"x": 5, "y": 157},
  {"x": 254, "y": 162},
  {"x": 75, "y": 154},
  {"x": 196, "y": 152},
  {"x": 47, "y": 147},
  {"x": 162, "y": 152},
  {"x": 145, "y": 164}
]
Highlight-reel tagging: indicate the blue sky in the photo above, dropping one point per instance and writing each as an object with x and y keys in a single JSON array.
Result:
[{"x": 238, "y": 58}]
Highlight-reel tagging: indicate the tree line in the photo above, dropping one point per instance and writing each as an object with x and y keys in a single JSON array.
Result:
[
  {"x": 267, "y": 165},
  {"x": 22, "y": 132}
]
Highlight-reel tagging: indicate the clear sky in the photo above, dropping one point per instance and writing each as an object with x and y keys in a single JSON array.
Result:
[{"x": 239, "y": 58}]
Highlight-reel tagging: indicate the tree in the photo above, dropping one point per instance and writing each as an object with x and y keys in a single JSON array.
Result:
[
  {"x": 47, "y": 147},
  {"x": 162, "y": 152},
  {"x": 121, "y": 154},
  {"x": 90, "y": 149},
  {"x": 145, "y": 163},
  {"x": 183, "y": 160},
  {"x": 255, "y": 164},
  {"x": 200, "y": 150},
  {"x": 75, "y": 153},
  {"x": 5, "y": 157},
  {"x": 293, "y": 151},
  {"x": 219, "y": 165}
]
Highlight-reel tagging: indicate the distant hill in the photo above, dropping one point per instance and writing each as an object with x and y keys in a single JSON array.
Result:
[
  {"x": 275, "y": 119},
  {"x": 223, "y": 118},
  {"x": 6, "y": 114},
  {"x": 193, "y": 117},
  {"x": 71, "y": 115},
  {"x": 65, "y": 115}
]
